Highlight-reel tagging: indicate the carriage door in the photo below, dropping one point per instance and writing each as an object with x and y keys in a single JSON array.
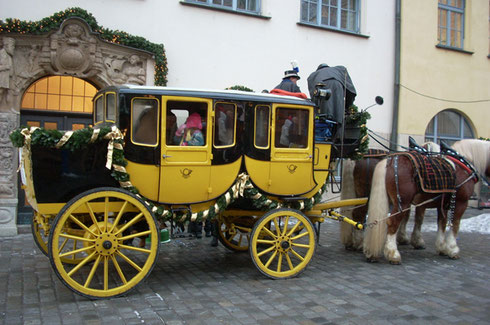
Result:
[
  {"x": 291, "y": 169},
  {"x": 186, "y": 150}
]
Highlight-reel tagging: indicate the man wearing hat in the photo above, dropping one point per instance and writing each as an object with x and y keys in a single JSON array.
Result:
[
  {"x": 288, "y": 82},
  {"x": 336, "y": 79}
]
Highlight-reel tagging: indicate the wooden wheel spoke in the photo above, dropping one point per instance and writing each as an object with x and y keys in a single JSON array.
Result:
[
  {"x": 240, "y": 237},
  {"x": 269, "y": 232},
  {"x": 278, "y": 228},
  {"x": 119, "y": 215},
  {"x": 78, "y": 222},
  {"x": 138, "y": 249},
  {"x": 63, "y": 244},
  {"x": 265, "y": 251},
  {"x": 265, "y": 241},
  {"x": 301, "y": 245},
  {"x": 118, "y": 269},
  {"x": 76, "y": 251},
  {"x": 300, "y": 235},
  {"x": 92, "y": 216},
  {"x": 294, "y": 228},
  {"x": 92, "y": 272},
  {"x": 269, "y": 261},
  {"x": 297, "y": 255},
  {"x": 288, "y": 259},
  {"x": 279, "y": 262},
  {"x": 106, "y": 273},
  {"x": 130, "y": 223},
  {"x": 82, "y": 263},
  {"x": 77, "y": 238},
  {"x": 139, "y": 234},
  {"x": 127, "y": 259},
  {"x": 106, "y": 212},
  {"x": 285, "y": 226}
]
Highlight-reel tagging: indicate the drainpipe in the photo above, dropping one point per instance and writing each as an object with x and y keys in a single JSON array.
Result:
[{"x": 396, "y": 97}]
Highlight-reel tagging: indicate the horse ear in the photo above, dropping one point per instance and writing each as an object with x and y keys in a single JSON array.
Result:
[{"x": 445, "y": 147}]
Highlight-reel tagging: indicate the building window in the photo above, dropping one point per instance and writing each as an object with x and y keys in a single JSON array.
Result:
[
  {"x": 448, "y": 126},
  {"x": 336, "y": 14},
  {"x": 451, "y": 23},
  {"x": 251, "y": 6},
  {"x": 60, "y": 93}
]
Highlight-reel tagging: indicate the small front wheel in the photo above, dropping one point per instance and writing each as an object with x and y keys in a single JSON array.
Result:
[
  {"x": 283, "y": 241},
  {"x": 108, "y": 228}
]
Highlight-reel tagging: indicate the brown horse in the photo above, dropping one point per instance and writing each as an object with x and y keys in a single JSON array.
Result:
[
  {"x": 356, "y": 183},
  {"x": 395, "y": 183}
]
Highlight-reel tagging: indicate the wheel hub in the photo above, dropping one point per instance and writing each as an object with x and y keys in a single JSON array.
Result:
[{"x": 106, "y": 244}]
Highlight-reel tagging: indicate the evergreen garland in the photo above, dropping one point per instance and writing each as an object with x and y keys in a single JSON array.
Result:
[
  {"x": 45, "y": 25},
  {"x": 80, "y": 138},
  {"x": 359, "y": 119},
  {"x": 241, "y": 88}
]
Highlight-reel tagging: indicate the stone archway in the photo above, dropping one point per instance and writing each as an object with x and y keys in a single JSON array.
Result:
[{"x": 73, "y": 49}]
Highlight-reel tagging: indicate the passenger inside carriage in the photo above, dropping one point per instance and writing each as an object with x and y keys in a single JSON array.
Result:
[{"x": 189, "y": 133}]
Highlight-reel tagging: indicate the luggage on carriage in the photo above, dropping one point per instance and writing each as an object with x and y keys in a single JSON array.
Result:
[{"x": 259, "y": 171}]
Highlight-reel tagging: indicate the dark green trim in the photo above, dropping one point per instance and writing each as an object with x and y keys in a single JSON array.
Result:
[{"x": 455, "y": 49}]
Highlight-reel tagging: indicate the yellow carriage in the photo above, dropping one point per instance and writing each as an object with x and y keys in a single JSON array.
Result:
[{"x": 250, "y": 162}]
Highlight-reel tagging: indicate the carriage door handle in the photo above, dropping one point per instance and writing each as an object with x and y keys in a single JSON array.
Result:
[{"x": 165, "y": 156}]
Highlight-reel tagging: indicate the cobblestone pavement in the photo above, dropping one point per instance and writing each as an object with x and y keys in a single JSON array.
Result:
[{"x": 193, "y": 283}]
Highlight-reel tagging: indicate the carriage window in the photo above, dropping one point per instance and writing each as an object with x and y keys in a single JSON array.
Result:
[
  {"x": 262, "y": 126},
  {"x": 224, "y": 126},
  {"x": 291, "y": 128},
  {"x": 99, "y": 109},
  {"x": 144, "y": 125},
  {"x": 111, "y": 107},
  {"x": 186, "y": 123}
]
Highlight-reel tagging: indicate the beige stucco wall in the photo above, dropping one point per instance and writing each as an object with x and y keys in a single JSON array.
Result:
[{"x": 442, "y": 73}]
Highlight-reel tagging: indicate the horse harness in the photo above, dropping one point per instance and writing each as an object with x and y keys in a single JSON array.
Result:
[{"x": 440, "y": 180}]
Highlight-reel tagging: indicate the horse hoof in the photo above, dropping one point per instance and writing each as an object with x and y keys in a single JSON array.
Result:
[
  {"x": 419, "y": 247},
  {"x": 371, "y": 260},
  {"x": 442, "y": 254},
  {"x": 395, "y": 262},
  {"x": 455, "y": 257},
  {"x": 403, "y": 242}
]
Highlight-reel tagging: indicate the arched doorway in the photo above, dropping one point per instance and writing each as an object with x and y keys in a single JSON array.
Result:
[
  {"x": 449, "y": 126},
  {"x": 54, "y": 102}
]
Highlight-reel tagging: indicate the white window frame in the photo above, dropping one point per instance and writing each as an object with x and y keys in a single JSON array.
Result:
[
  {"x": 436, "y": 137},
  {"x": 338, "y": 5},
  {"x": 447, "y": 29},
  {"x": 234, "y": 6}
]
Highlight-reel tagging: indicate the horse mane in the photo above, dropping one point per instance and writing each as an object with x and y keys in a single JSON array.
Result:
[
  {"x": 431, "y": 146},
  {"x": 476, "y": 151}
]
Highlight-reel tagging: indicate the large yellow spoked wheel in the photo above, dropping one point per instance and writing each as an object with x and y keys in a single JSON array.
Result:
[
  {"x": 234, "y": 232},
  {"x": 112, "y": 225},
  {"x": 40, "y": 227},
  {"x": 283, "y": 242}
]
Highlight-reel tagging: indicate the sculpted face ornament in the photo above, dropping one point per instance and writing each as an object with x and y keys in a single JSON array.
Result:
[
  {"x": 186, "y": 172},
  {"x": 292, "y": 168}
]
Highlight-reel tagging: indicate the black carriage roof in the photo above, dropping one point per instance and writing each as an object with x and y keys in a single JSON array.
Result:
[{"x": 231, "y": 95}]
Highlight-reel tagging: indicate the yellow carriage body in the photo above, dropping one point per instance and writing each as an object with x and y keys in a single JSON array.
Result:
[{"x": 185, "y": 150}]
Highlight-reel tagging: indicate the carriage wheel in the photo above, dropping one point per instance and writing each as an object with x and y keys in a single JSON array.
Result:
[
  {"x": 39, "y": 232},
  {"x": 234, "y": 232},
  {"x": 282, "y": 244},
  {"x": 40, "y": 226},
  {"x": 106, "y": 222}
]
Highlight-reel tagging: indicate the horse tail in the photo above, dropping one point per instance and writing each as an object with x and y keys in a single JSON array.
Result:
[
  {"x": 375, "y": 235},
  {"x": 348, "y": 192}
]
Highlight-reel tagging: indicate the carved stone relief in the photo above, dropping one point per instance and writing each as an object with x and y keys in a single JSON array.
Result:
[
  {"x": 72, "y": 50},
  {"x": 7, "y": 156}
]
